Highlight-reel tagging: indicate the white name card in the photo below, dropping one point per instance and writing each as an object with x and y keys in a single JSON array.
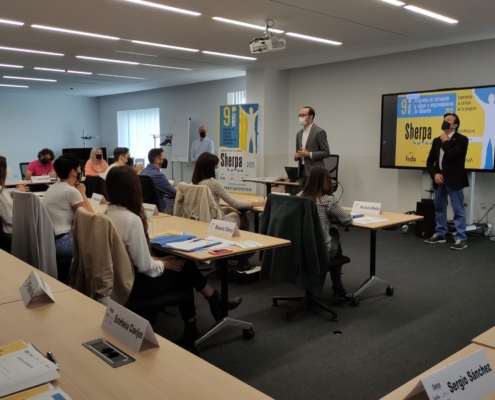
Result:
[
  {"x": 471, "y": 377},
  {"x": 150, "y": 207},
  {"x": 127, "y": 326},
  {"x": 223, "y": 228},
  {"x": 43, "y": 178},
  {"x": 364, "y": 207},
  {"x": 34, "y": 286},
  {"x": 98, "y": 199}
]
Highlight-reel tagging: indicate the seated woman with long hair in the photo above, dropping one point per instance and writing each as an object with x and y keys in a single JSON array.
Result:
[
  {"x": 96, "y": 164},
  {"x": 155, "y": 276},
  {"x": 319, "y": 187},
  {"x": 204, "y": 174}
]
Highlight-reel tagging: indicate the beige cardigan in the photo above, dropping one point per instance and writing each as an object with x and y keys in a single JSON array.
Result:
[{"x": 196, "y": 202}]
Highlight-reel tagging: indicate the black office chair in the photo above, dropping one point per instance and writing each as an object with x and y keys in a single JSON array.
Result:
[
  {"x": 23, "y": 166},
  {"x": 149, "y": 309},
  {"x": 150, "y": 195},
  {"x": 332, "y": 164},
  {"x": 94, "y": 184},
  {"x": 5, "y": 240}
]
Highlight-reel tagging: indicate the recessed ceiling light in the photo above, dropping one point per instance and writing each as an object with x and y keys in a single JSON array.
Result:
[
  {"x": 11, "y": 66},
  {"x": 30, "y": 51},
  {"x": 164, "y": 45},
  {"x": 231, "y": 21},
  {"x": 63, "y": 70},
  {"x": 137, "y": 54},
  {"x": 75, "y": 32},
  {"x": 120, "y": 76},
  {"x": 314, "y": 38},
  {"x": 394, "y": 2},
  {"x": 108, "y": 60},
  {"x": 163, "y": 7},
  {"x": 432, "y": 14},
  {"x": 6, "y": 21},
  {"x": 166, "y": 66},
  {"x": 29, "y": 79},
  {"x": 228, "y": 55},
  {"x": 17, "y": 86}
]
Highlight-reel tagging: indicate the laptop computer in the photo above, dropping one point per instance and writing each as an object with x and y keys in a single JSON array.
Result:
[{"x": 292, "y": 173}]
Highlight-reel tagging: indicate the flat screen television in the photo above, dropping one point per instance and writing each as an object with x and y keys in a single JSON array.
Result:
[{"x": 410, "y": 122}]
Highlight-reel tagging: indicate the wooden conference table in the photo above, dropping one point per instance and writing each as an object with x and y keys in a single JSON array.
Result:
[
  {"x": 199, "y": 229},
  {"x": 269, "y": 182},
  {"x": 251, "y": 198}
]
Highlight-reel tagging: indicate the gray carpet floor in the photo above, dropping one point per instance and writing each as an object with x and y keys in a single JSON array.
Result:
[{"x": 443, "y": 299}]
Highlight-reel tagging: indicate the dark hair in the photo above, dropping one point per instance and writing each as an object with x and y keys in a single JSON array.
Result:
[
  {"x": 124, "y": 189},
  {"x": 205, "y": 167},
  {"x": 153, "y": 154},
  {"x": 456, "y": 121},
  {"x": 319, "y": 183},
  {"x": 119, "y": 151},
  {"x": 311, "y": 111},
  {"x": 66, "y": 163},
  {"x": 45, "y": 152},
  {"x": 3, "y": 172}
]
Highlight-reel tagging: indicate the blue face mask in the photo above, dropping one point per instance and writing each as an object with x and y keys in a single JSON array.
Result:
[{"x": 216, "y": 174}]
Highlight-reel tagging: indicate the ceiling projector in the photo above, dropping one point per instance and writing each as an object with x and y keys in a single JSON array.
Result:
[{"x": 268, "y": 42}]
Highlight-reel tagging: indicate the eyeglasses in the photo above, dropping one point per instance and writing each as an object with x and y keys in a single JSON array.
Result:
[{"x": 302, "y": 115}]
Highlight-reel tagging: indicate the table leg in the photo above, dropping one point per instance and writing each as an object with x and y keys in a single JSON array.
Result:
[
  {"x": 257, "y": 222},
  {"x": 268, "y": 189}
]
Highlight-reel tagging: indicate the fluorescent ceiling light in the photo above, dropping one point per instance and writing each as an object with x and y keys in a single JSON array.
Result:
[
  {"x": 108, "y": 60},
  {"x": 394, "y": 2},
  {"x": 231, "y": 21},
  {"x": 11, "y": 66},
  {"x": 228, "y": 55},
  {"x": 165, "y": 45},
  {"x": 163, "y": 7},
  {"x": 50, "y": 69},
  {"x": 120, "y": 76},
  {"x": 63, "y": 70},
  {"x": 75, "y": 32},
  {"x": 6, "y": 21},
  {"x": 30, "y": 79},
  {"x": 137, "y": 54},
  {"x": 431, "y": 14},
  {"x": 165, "y": 66},
  {"x": 79, "y": 72},
  {"x": 31, "y": 51},
  {"x": 17, "y": 86},
  {"x": 314, "y": 38}
]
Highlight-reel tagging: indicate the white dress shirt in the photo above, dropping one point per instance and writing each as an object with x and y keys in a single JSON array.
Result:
[
  {"x": 305, "y": 139},
  {"x": 440, "y": 158}
]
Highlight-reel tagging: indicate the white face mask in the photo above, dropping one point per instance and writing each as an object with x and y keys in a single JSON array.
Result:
[
  {"x": 302, "y": 121},
  {"x": 9, "y": 171}
]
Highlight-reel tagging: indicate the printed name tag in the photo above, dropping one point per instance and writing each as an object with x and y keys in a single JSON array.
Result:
[
  {"x": 364, "y": 207},
  {"x": 98, "y": 199},
  {"x": 150, "y": 207},
  {"x": 223, "y": 228},
  {"x": 34, "y": 286},
  {"x": 127, "y": 326},
  {"x": 44, "y": 178},
  {"x": 471, "y": 377}
]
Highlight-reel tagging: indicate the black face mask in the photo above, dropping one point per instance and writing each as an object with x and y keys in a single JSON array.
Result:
[
  {"x": 99, "y": 156},
  {"x": 130, "y": 162},
  {"x": 164, "y": 163},
  {"x": 44, "y": 161},
  {"x": 202, "y": 134},
  {"x": 79, "y": 176},
  {"x": 445, "y": 126}
]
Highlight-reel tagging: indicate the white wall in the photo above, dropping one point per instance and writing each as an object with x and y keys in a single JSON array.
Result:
[
  {"x": 198, "y": 101},
  {"x": 30, "y": 122},
  {"x": 347, "y": 100}
]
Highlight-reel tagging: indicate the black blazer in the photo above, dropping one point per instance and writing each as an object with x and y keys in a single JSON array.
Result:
[{"x": 453, "y": 170}]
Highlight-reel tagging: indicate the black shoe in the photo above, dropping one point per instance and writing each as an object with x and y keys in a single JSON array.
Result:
[
  {"x": 242, "y": 266},
  {"x": 340, "y": 293},
  {"x": 191, "y": 333},
  {"x": 216, "y": 304},
  {"x": 435, "y": 239}
]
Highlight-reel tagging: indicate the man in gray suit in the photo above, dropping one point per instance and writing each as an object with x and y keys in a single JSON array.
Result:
[{"x": 311, "y": 145}]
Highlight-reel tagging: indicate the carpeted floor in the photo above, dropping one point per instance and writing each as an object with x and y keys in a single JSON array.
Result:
[{"x": 443, "y": 299}]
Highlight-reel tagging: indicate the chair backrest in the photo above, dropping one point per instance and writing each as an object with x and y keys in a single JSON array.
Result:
[
  {"x": 23, "y": 166},
  {"x": 33, "y": 237},
  {"x": 150, "y": 195},
  {"x": 94, "y": 184},
  {"x": 332, "y": 164},
  {"x": 196, "y": 202}
]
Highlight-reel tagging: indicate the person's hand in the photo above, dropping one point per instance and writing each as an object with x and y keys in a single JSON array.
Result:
[
  {"x": 138, "y": 167},
  {"x": 439, "y": 179},
  {"x": 232, "y": 209},
  {"x": 22, "y": 188},
  {"x": 172, "y": 263},
  {"x": 259, "y": 203},
  {"x": 297, "y": 156},
  {"x": 53, "y": 174},
  {"x": 304, "y": 153},
  {"x": 81, "y": 188},
  {"x": 444, "y": 137}
]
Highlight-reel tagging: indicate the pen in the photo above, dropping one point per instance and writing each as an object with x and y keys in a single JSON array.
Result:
[{"x": 52, "y": 358}]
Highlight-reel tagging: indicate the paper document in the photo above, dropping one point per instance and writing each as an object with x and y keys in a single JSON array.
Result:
[
  {"x": 55, "y": 394},
  {"x": 192, "y": 245},
  {"x": 29, "y": 394},
  {"x": 247, "y": 244},
  {"x": 369, "y": 220},
  {"x": 223, "y": 244},
  {"x": 14, "y": 346}
]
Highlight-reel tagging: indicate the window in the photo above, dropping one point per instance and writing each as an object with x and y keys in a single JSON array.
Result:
[
  {"x": 236, "y": 98},
  {"x": 136, "y": 129}
]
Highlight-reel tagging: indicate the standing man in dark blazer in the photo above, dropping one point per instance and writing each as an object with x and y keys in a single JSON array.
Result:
[
  {"x": 446, "y": 167},
  {"x": 311, "y": 145}
]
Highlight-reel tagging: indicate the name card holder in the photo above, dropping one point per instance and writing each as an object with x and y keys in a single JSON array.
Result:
[
  {"x": 43, "y": 178},
  {"x": 364, "y": 207},
  {"x": 127, "y": 326},
  {"x": 98, "y": 199},
  {"x": 34, "y": 286},
  {"x": 150, "y": 207},
  {"x": 224, "y": 228}
]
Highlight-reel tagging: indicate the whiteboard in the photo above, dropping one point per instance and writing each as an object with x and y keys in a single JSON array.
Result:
[{"x": 180, "y": 140}]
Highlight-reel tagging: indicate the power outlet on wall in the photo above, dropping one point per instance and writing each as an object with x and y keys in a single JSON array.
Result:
[{"x": 483, "y": 206}]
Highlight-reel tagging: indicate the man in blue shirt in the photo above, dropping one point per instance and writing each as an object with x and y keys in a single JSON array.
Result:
[
  {"x": 165, "y": 190},
  {"x": 201, "y": 145}
]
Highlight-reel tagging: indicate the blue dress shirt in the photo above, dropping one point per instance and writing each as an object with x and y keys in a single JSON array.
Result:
[
  {"x": 161, "y": 184},
  {"x": 199, "y": 147}
]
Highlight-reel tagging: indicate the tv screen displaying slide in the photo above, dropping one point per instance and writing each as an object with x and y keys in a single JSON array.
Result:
[{"x": 410, "y": 122}]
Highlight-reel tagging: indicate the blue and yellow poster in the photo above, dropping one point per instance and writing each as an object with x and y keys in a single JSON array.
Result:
[{"x": 238, "y": 146}]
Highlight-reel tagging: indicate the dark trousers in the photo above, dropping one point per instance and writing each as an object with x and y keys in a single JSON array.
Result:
[
  {"x": 145, "y": 287},
  {"x": 336, "y": 272},
  {"x": 303, "y": 178}
]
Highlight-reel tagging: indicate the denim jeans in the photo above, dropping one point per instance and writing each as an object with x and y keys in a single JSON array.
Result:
[
  {"x": 63, "y": 246},
  {"x": 441, "y": 202}
]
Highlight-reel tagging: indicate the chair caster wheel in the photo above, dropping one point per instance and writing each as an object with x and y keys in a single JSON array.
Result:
[
  {"x": 248, "y": 333},
  {"x": 355, "y": 301},
  {"x": 390, "y": 291}
]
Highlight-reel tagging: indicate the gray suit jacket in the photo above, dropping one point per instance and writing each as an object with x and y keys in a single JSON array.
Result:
[{"x": 317, "y": 144}]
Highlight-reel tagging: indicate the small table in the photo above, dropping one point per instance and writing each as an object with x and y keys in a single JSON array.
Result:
[
  {"x": 257, "y": 211},
  {"x": 199, "y": 229},
  {"x": 269, "y": 182}
]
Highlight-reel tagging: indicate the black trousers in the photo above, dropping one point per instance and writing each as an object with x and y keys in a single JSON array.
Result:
[{"x": 145, "y": 287}]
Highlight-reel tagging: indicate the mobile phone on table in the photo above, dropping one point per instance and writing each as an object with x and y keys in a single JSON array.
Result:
[{"x": 220, "y": 251}]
